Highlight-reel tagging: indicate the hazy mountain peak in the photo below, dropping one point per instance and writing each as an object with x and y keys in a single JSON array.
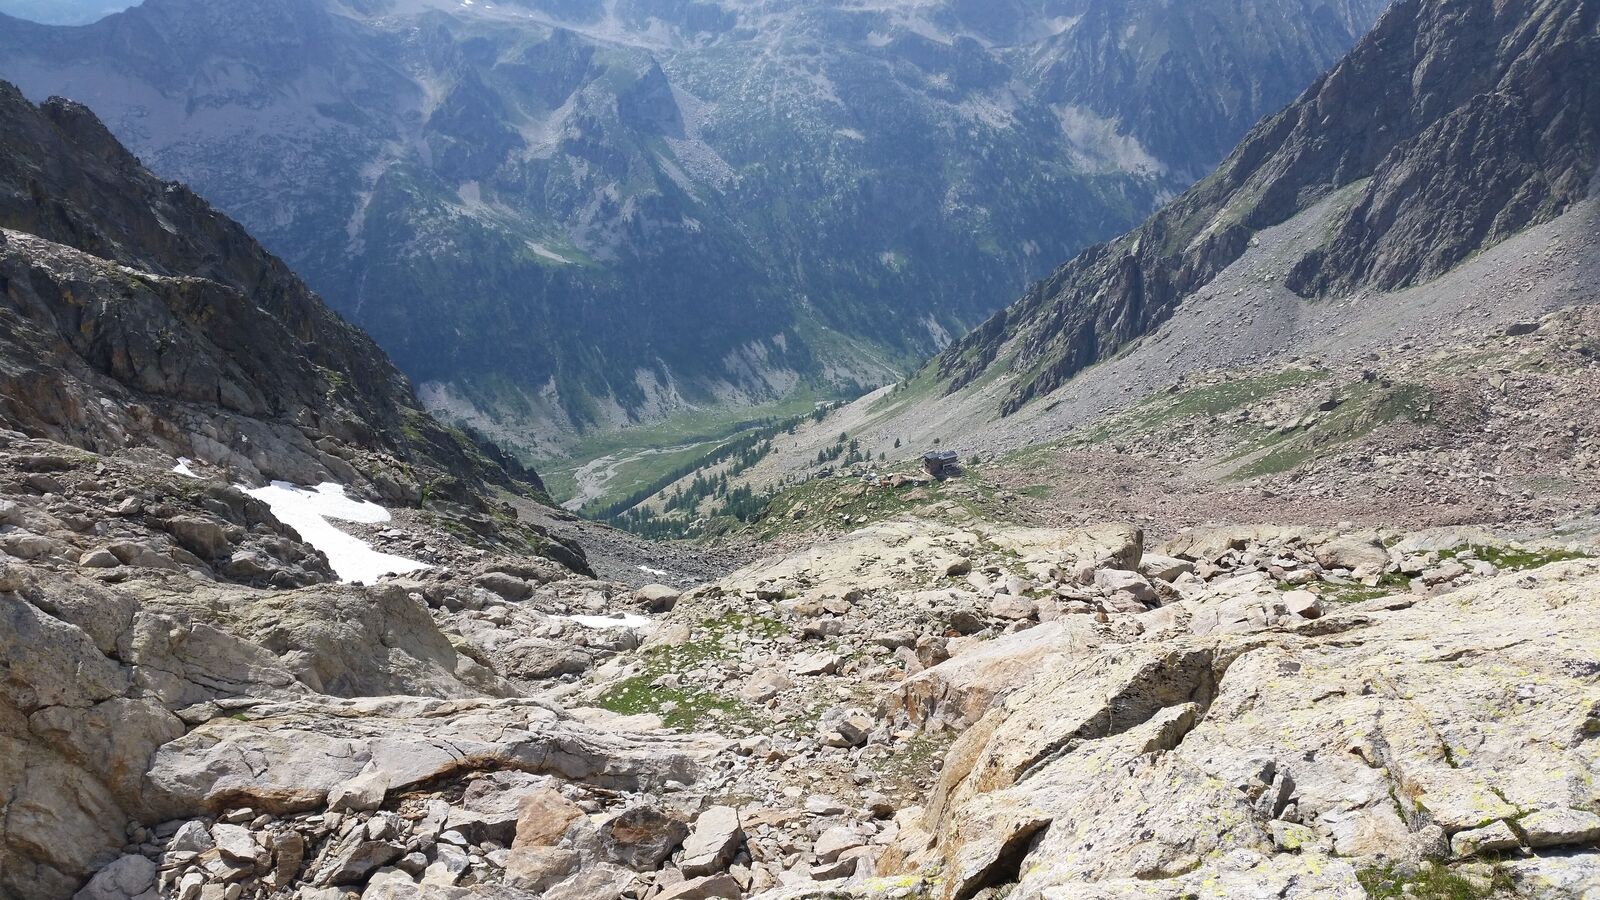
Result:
[
  {"x": 533, "y": 204},
  {"x": 63, "y": 12}
]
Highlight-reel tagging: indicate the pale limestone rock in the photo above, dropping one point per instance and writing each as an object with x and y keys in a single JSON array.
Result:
[
  {"x": 129, "y": 878},
  {"x": 449, "y": 864},
  {"x": 69, "y": 746},
  {"x": 537, "y": 868},
  {"x": 832, "y": 871},
  {"x": 842, "y": 726},
  {"x": 1293, "y": 836},
  {"x": 711, "y": 845},
  {"x": 1560, "y": 827},
  {"x": 1304, "y": 876},
  {"x": 1495, "y": 837},
  {"x": 889, "y": 556},
  {"x": 24, "y": 544},
  {"x": 836, "y": 840},
  {"x": 710, "y": 887},
  {"x": 764, "y": 685},
  {"x": 543, "y": 817},
  {"x": 1554, "y": 876},
  {"x": 815, "y": 664},
  {"x": 954, "y": 694},
  {"x": 288, "y": 853},
  {"x": 602, "y": 881},
  {"x": 363, "y": 793},
  {"x": 1130, "y": 590},
  {"x": 823, "y": 805},
  {"x": 291, "y": 755},
  {"x": 1212, "y": 543},
  {"x": 490, "y": 806},
  {"x": 1361, "y": 553},
  {"x": 237, "y": 844},
  {"x": 1013, "y": 607},
  {"x": 189, "y": 886},
  {"x": 1304, "y": 604},
  {"x": 657, "y": 597},
  {"x": 394, "y": 884},
  {"x": 1102, "y": 773},
  {"x": 352, "y": 859},
  {"x": 99, "y": 559},
  {"x": 1165, "y": 568},
  {"x": 1375, "y": 829},
  {"x": 191, "y": 837}
]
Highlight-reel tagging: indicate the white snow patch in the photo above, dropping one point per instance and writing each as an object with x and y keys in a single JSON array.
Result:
[
  {"x": 182, "y": 468},
  {"x": 627, "y": 620},
  {"x": 307, "y": 511},
  {"x": 656, "y": 572},
  {"x": 544, "y": 252}
]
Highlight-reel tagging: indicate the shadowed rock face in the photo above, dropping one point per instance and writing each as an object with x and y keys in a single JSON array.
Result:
[
  {"x": 536, "y": 207},
  {"x": 141, "y": 316},
  {"x": 1468, "y": 121},
  {"x": 1517, "y": 143}
]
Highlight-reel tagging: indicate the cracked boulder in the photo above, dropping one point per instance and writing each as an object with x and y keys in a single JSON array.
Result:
[
  {"x": 291, "y": 756},
  {"x": 1284, "y": 760}
]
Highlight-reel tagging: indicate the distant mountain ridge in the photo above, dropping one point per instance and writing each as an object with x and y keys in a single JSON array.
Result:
[
  {"x": 63, "y": 12},
  {"x": 1436, "y": 190},
  {"x": 1497, "y": 128},
  {"x": 139, "y": 317},
  {"x": 563, "y": 215}
]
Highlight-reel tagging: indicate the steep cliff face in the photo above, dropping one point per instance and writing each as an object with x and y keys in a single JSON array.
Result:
[
  {"x": 1466, "y": 120},
  {"x": 537, "y": 207},
  {"x": 1518, "y": 143},
  {"x": 138, "y": 315},
  {"x": 1203, "y": 72}
]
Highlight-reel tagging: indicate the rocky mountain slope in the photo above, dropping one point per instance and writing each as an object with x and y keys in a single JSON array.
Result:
[
  {"x": 1266, "y": 711},
  {"x": 1323, "y": 239},
  {"x": 1028, "y": 682},
  {"x": 899, "y": 712},
  {"x": 1499, "y": 130},
  {"x": 535, "y": 207},
  {"x": 145, "y": 594},
  {"x": 171, "y": 650},
  {"x": 139, "y": 316}
]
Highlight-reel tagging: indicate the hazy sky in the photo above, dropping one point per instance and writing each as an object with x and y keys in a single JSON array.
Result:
[{"x": 64, "y": 12}]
